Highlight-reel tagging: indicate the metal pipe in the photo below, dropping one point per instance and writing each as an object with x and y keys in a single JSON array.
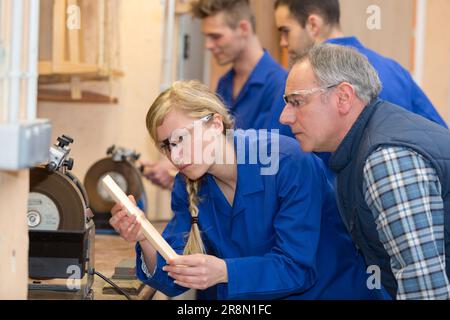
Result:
[
  {"x": 166, "y": 70},
  {"x": 419, "y": 50},
  {"x": 448, "y": 92},
  {"x": 5, "y": 22},
  {"x": 16, "y": 55},
  {"x": 163, "y": 39},
  {"x": 168, "y": 54},
  {"x": 101, "y": 34},
  {"x": 3, "y": 62},
  {"x": 33, "y": 52}
]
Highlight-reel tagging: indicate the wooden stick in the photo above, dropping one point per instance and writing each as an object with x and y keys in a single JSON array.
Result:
[
  {"x": 75, "y": 88},
  {"x": 51, "y": 68},
  {"x": 101, "y": 34},
  {"x": 59, "y": 32},
  {"x": 74, "y": 40},
  {"x": 152, "y": 235},
  {"x": 74, "y": 56}
]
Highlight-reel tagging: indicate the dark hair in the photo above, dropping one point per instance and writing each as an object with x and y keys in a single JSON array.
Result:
[
  {"x": 235, "y": 11},
  {"x": 301, "y": 9}
]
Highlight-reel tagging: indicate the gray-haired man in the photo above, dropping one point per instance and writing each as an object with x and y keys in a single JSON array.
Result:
[{"x": 392, "y": 166}]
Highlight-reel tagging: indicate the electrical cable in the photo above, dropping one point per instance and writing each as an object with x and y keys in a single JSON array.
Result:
[{"x": 115, "y": 286}]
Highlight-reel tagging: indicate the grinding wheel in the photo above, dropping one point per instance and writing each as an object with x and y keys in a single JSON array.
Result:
[
  {"x": 55, "y": 202},
  {"x": 123, "y": 173}
]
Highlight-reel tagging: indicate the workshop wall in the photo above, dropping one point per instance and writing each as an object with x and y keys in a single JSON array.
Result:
[
  {"x": 95, "y": 127},
  {"x": 436, "y": 75},
  {"x": 395, "y": 15},
  {"x": 395, "y": 39},
  {"x": 13, "y": 234}
]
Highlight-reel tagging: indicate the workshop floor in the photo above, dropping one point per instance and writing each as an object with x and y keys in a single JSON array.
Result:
[{"x": 109, "y": 251}]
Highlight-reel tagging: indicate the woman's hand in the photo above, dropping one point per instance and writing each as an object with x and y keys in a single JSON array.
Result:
[
  {"x": 128, "y": 227},
  {"x": 197, "y": 271}
]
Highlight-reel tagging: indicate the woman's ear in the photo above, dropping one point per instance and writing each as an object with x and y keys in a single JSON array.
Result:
[{"x": 217, "y": 123}]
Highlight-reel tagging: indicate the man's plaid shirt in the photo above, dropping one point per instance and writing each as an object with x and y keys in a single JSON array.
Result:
[{"x": 403, "y": 192}]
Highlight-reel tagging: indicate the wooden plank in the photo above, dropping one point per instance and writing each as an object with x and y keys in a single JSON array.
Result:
[
  {"x": 74, "y": 40},
  {"x": 152, "y": 235},
  {"x": 101, "y": 34},
  {"x": 74, "y": 56},
  {"x": 59, "y": 32},
  {"x": 48, "y": 67},
  {"x": 54, "y": 95},
  {"x": 61, "y": 78},
  {"x": 75, "y": 88},
  {"x": 70, "y": 68},
  {"x": 14, "y": 189},
  {"x": 45, "y": 68}
]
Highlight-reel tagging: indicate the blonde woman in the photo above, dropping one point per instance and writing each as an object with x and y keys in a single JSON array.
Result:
[{"x": 243, "y": 234}]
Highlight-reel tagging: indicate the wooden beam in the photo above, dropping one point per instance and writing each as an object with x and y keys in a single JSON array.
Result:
[
  {"x": 14, "y": 190},
  {"x": 74, "y": 40},
  {"x": 59, "y": 32},
  {"x": 49, "y": 67},
  {"x": 75, "y": 88},
  {"x": 45, "y": 68},
  {"x": 101, "y": 34},
  {"x": 152, "y": 235},
  {"x": 55, "y": 95},
  {"x": 74, "y": 56}
]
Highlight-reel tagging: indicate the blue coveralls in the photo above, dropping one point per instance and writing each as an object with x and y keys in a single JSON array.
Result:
[
  {"x": 282, "y": 238},
  {"x": 260, "y": 102}
]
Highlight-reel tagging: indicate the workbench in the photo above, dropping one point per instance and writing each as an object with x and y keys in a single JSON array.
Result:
[{"x": 110, "y": 250}]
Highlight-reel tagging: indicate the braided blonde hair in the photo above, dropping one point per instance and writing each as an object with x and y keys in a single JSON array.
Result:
[{"x": 197, "y": 101}]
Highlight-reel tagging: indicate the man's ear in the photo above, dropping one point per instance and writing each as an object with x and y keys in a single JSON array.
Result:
[
  {"x": 314, "y": 25},
  {"x": 345, "y": 94},
  {"x": 245, "y": 27}
]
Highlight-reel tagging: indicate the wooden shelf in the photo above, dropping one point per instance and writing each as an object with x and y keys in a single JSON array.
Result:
[
  {"x": 52, "y": 95},
  {"x": 50, "y": 68}
]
